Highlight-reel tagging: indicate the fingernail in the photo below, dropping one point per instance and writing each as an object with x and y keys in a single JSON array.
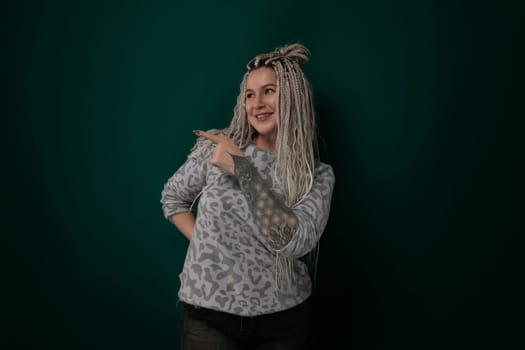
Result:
[{"x": 196, "y": 132}]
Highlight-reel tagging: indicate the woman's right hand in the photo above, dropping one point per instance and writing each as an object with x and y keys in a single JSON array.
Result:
[{"x": 224, "y": 149}]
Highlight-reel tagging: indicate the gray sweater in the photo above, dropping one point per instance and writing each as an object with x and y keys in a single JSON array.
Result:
[{"x": 245, "y": 240}]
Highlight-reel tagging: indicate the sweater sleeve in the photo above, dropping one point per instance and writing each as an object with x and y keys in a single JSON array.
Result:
[
  {"x": 312, "y": 213},
  {"x": 186, "y": 183},
  {"x": 290, "y": 232}
]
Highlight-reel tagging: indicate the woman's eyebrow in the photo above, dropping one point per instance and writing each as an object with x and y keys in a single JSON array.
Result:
[{"x": 262, "y": 87}]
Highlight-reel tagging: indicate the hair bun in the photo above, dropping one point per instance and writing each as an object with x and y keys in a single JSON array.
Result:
[{"x": 295, "y": 52}]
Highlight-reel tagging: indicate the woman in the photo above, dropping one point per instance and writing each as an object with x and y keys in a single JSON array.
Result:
[{"x": 264, "y": 203}]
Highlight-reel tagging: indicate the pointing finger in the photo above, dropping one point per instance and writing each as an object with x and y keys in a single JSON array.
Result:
[{"x": 213, "y": 138}]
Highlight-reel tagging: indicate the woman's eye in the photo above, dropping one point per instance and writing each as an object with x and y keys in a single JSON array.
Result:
[
  {"x": 269, "y": 91},
  {"x": 249, "y": 95}
]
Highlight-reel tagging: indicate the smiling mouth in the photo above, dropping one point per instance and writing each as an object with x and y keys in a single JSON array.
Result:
[{"x": 263, "y": 116}]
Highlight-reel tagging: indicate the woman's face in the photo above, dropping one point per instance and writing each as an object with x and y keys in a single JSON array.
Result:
[{"x": 261, "y": 99}]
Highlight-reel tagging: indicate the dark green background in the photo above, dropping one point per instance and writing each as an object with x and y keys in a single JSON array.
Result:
[{"x": 420, "y": 108}]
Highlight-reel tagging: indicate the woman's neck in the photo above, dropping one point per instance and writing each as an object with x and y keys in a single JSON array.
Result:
[{"x": 266, "y": 143}]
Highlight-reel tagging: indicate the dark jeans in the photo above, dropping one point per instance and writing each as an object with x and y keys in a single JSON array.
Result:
[{"x": 205, "y": 329}]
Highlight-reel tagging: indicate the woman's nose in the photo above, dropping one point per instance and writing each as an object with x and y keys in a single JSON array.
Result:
[{"x": 259, "y": 102}]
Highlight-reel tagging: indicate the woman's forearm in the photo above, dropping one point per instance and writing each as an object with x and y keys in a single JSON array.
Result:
[
  {"x": 276, "y": 221},
  {"x": 184, "y": 223}
]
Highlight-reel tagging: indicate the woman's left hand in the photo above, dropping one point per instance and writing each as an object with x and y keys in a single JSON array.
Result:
[{"x": 224, "y": 149}]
